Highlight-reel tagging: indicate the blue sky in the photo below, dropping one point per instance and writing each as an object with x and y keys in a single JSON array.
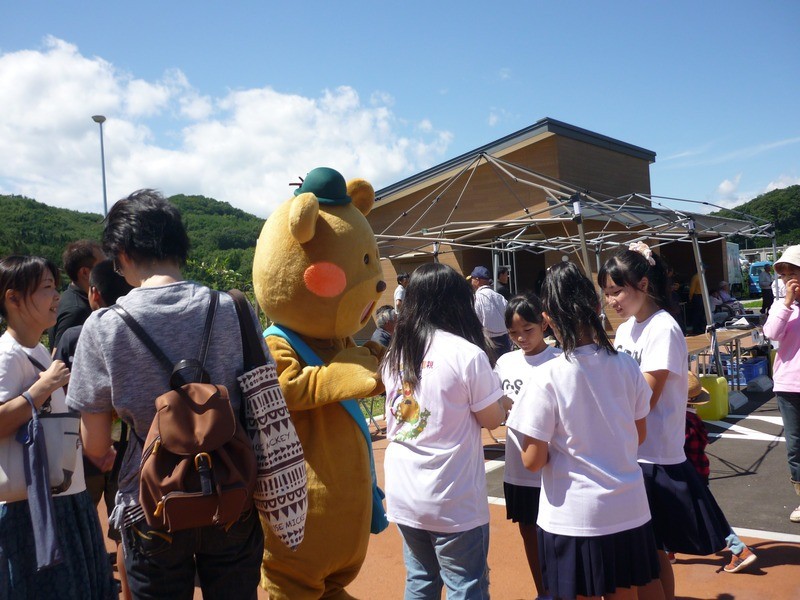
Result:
[{"x": 236, "y": 100}]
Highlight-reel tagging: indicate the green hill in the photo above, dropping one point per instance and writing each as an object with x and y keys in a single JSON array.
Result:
[
  {"x": 222, "y": 237},
  {"x": 781, "y": 207}
]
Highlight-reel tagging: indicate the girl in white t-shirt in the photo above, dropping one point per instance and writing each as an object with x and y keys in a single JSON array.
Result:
[
  {"x": 440, "y": 391},
  {"x": 582, "y": 418},
  {"x": 686, "y": 518},
  {"x": 80, "y": 567},
  {"x": 521, "y": 487}
]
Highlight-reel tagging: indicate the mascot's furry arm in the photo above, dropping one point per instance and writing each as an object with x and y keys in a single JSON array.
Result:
[{"x": 352, "y": 373}]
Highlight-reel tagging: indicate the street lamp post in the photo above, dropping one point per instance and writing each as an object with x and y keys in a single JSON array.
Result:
[{"x": 100, "y": 119}]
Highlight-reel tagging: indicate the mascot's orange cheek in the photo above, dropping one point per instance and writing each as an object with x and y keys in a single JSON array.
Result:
[{"x": 325, "y": 279}]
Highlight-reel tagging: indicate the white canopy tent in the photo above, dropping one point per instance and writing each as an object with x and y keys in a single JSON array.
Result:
[{"x": 559, "y": 224}]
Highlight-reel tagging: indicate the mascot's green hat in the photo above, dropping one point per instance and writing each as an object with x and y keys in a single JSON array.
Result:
[{"x": 327, "y": 185}]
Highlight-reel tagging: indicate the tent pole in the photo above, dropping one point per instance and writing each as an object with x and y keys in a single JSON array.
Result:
[
  {"x": 774, "y": 246},
  {"x": 514, "y": 272},
  {"x": 710, "y": 329},
  {"x": 495, "y": 264},
  {"x": 597, "y": 248},
  {"x": 576, "y": 207}
]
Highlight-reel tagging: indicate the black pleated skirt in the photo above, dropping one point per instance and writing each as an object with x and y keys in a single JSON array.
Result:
[
  {"x": 686, "y": 517},
  {"x": 522, "y": 503},
  {"x": 594, "y": 566}
]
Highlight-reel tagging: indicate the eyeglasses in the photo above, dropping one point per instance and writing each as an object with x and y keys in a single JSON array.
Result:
[{"x": 117, "y": 268}]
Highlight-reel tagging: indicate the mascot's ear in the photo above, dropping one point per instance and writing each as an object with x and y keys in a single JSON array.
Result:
[
  {"x": 303, "y": 215},
  {"x": 362, "y": 194}
]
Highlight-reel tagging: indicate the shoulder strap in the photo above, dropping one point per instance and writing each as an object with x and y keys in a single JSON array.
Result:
[
  {"x": 153, "y": 347},
  {"x": 212, "y": 310},
  {"x": 36, "y": 363},
  {"x": 42, "y": 368},
  {"x": 304, "y": 350},
  {"x": 378, "y": 521},
  {"x": 143, "y": 337},
  {"x": 252, "y": 351}
]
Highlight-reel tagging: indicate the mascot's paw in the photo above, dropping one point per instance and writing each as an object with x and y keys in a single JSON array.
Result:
[
  {"x": 355, "y": 372},
  {"x": 377, "y": 350}
]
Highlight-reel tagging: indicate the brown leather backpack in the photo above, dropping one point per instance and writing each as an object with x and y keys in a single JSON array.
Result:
[{"x": 198, "y": 467}]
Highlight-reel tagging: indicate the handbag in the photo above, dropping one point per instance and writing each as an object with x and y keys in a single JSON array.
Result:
[
  {"x": 281, "y": 494},
  {"x": 61, "y": 432}
]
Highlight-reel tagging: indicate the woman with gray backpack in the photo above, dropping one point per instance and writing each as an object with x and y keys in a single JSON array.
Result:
[{"x": 191, "y": 514}]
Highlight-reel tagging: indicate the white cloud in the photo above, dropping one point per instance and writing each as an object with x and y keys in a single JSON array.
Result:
[
  {"x": 380, "y": 98},
  {"x": 688, "y": 153},
  {"x": 694, "y": 157},
  {"x": 498, "y": 115},
  {"x": 504, "y": 74},
  {"x": 727, "y": 195},
  {"x": 195, "y": 107},
  {"x": 781, "y": 182},
  {"x": 245, "y": 147},
  {"x": 727, "y": 189}
]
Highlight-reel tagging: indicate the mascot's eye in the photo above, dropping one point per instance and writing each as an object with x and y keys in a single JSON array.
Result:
[{"x": 366, "y": 259}]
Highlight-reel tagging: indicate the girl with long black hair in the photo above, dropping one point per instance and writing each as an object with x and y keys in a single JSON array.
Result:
[{"x": 440, "y": 391}]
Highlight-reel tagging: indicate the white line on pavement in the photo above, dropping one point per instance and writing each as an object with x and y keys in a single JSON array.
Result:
[
  {"x": 737, "y": 432},
  {"x": 493, "y": 465}
]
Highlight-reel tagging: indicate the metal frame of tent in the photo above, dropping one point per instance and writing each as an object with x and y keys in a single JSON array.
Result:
[{"x": 616, "y": 221}]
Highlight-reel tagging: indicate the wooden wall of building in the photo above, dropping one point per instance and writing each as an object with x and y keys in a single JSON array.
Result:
[{"x": 601, "y": 170}]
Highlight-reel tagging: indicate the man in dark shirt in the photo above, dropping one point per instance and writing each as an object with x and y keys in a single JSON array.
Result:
[
  {"x": 502, "y": 283},
  {"x": 105, "y": 287},
  {"x": 73, "y": 308},
  {"x": 385, "y": 319}
]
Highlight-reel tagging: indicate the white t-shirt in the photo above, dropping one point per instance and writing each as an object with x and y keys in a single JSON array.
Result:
[
  {"x": 586, "y": 408},
  {"x": 17, "y": 374},
  {"x": 657, "y": 343},
  {"x": 434, "y": 466},
  {"x": 514, "y": 369},
  {"x": 399, "y": 294},
  {"x": 491, "y": 307}
]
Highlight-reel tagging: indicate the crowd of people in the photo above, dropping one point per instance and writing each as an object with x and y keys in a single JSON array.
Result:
[
  {"x": 596, "y": 476},
  {"x": 146, "y": 244}
]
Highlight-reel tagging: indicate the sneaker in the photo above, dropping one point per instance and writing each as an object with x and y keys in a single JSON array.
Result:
[
  {"x": 740, "y": 561},
  {"x": 794, "y": 517},
  {"x": 671, "y": 558}
]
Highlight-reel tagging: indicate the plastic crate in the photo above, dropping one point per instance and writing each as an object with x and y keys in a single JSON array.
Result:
[{"x": 754, "y": 367}]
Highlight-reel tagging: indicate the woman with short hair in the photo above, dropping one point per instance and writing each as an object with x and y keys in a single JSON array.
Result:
[{"x": 112, "y": 369}]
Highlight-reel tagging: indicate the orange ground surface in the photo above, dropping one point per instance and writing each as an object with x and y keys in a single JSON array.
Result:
[{"x": 775, "y": 577}]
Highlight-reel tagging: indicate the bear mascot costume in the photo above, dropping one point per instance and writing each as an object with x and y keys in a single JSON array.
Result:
[{"x": 317, "y": 275}]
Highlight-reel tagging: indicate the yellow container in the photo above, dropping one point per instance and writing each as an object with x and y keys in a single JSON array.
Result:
[{"x": 717, "y": 407}]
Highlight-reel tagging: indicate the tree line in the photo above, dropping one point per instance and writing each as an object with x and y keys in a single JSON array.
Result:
[{"x": 222, "y": 238}]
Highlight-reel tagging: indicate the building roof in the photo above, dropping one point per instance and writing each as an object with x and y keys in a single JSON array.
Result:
[{"x": 539, "y": 130}]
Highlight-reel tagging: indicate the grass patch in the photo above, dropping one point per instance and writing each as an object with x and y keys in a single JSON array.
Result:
[{"x": 377, "y": 404}]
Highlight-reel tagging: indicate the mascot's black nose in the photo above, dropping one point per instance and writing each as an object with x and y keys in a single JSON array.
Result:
[{"x": 381, "y": 286}]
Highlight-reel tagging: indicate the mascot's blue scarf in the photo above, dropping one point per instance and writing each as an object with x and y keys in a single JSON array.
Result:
[{"x": 378, "y": 522}]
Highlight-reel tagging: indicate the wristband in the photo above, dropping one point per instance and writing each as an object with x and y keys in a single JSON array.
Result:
[{"x": 29, "y": 398}]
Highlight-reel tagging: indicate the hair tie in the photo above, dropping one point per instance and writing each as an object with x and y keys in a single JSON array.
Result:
[{"x": 644, "y": 250}]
